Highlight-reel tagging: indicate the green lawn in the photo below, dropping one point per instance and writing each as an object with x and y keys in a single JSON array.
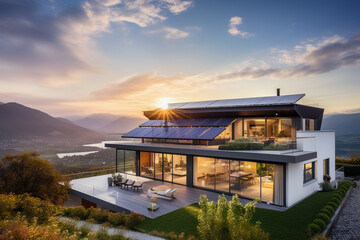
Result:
[{"x": 290, "y": 224}]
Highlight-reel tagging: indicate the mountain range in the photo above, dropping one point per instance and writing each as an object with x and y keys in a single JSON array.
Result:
[
  {"x": 21, "y": 122},
  {"x": 343, "y": 124}
]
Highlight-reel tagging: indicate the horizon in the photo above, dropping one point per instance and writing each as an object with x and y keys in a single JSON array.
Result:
[{"x": 123, "y": 57}]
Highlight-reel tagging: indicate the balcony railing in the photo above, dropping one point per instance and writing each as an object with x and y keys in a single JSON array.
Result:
[
  {"x": 270, "y": 144},
  {"x": 91, "y": 173}
]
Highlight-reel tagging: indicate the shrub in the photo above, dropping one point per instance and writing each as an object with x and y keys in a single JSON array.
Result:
[
  {"x": 330, "y": 209},
  {"x": 34, "y": 207},
  {"x": 243, "y": 144},
  {"x": 100, "y": 216},
  {"x": 337, "y": 197},
  {"x": 335, "y": 200},
  {"x": 116, "y": 219},
  {"x": 133, "y": 219},
  {"x": 323, "y": 217},
  {"x": 8, "y": 204},
  {"x": 276, "y": 146},
  {"x": 333, "y": 205},
  {"x": 79, "y": 212},
  {"x": 326, "y": 186},
  {"x": 326, "y": 212},
  {"x": 342, "y": 192},
  {"x": 313, "y": 229},
  {"x": 320, "y": 237},
  {"x": 320, "y": 223}
]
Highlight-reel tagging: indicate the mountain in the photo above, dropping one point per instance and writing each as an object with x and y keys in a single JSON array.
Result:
[
  {"x": 21, "y": 122},
  {"x": 122, "y": 125},
  {"x": 109, "y": 123},
  {"x": 343, "y": 124}
]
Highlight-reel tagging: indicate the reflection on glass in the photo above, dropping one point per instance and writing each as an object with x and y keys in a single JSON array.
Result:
[
  {"x": 179, "y": 169},
  {"x": 204, "y": 172},
  {"x": 120, "y": 160},
  {"x": 244, "y": 179},
  {"x": 222, "y": 175},
  {"x": 158, "y": 166},
  {"x": 267, "y": 182},
  {"x": 147, "y": 164},
  {"x": 254, "y": 127},
  {"x": 130, "y": 159},
  {"x": 168, "y": 167}
]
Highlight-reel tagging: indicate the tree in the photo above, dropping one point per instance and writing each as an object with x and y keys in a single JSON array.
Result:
[
  {"x": 28, "y": 173},
  {"x": 228, "y": 220}
]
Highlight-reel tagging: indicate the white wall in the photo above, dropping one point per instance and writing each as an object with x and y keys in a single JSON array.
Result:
[{"x": 322, "y": 142}]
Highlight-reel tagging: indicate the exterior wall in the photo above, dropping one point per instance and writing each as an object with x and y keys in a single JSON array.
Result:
[{"x": 323, "y": 142}]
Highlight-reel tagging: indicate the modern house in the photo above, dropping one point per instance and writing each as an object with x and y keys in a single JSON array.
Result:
[{"x": 270, "y": 147}]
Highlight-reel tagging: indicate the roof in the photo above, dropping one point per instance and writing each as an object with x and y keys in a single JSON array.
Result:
[{"x": 239, "y": 102}]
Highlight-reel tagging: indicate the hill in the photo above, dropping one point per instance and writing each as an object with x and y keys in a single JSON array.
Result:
[
  {"x": 343, "y": 124},
  {"x": 108, "y": 123},
  {"x": 21, "y": 122}
]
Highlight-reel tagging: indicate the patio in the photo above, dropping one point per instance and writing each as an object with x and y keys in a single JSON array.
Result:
[{"x": 96, "y": 190}]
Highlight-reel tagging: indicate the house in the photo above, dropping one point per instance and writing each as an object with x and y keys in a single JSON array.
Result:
[{"x": 280, "y": 153}]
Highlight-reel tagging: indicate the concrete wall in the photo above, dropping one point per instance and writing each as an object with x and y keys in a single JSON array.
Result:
[{"x": 323, "y": 142}]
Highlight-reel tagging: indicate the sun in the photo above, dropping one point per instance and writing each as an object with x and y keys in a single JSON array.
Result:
[{"x": 163, "y": 103}]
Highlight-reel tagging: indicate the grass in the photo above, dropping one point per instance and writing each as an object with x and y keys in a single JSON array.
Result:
[{"x": 290, "y": 224}]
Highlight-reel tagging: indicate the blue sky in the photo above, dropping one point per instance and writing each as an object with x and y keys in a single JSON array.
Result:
[{"x": 122, "y": 57}]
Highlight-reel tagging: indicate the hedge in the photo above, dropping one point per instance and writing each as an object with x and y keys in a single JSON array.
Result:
[{"x": 326, "y": 213}]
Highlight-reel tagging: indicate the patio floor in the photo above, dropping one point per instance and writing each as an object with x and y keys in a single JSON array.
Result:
[{"x": 96, "y": 189}]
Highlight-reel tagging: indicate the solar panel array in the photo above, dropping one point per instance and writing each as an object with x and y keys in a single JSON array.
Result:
[
  {"x": 240, "y": 102},
  {"x": 196, "y": 122},
  {"x": 189, "y": 133}
]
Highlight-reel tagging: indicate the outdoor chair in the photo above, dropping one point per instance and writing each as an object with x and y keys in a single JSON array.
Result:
[
  {"x": 129, "y": 183},
  {"x": 122, "y": 182},
  {"x": 167, "y": 195},
  {"x": 137, "y": 185}
]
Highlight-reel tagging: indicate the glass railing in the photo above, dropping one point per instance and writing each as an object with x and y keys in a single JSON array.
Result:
[
  {"x": 91, "y": 173},
  {"x": 270, "y": 144}
]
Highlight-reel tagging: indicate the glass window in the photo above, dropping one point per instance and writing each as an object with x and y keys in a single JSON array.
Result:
[
  {"x": 168, "y": 167},
  {"x": 309, "y": 171},
  {"x": 267, "y": 182},
  {"x": 254, "y": 127},
  {"x": 147, "y": 164},
  {"x": 326, "y": 167},
  {"x": 246, "y": 180},
  {"x": 158, "y": 166},
  {"x": 278, "y": 127},
  {"x": 120, "y": 160},
  {"x": 204, "y": 172},
  {"x": 130, "y": 162},
  {"x": 222, "y": 175},
  {"x": 179, "y": 169}
]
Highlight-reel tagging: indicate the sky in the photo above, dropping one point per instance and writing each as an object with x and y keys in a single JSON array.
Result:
[{"x": 75, "y": 58}]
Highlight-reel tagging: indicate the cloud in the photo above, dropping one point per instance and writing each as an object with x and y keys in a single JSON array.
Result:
[
  {"x": 138, "y": 84},
  {"x": 233, "y": 28},
  {"x": 171, "y": 33},
  {"x": 50, "y": 42}
]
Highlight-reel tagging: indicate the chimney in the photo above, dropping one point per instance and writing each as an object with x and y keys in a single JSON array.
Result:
[{"x": 278, "y": 92}]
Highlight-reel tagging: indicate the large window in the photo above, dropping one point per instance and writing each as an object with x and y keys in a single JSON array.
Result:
[
  {"x": 254, "y": 127},
  {"x": 278, "y": 127},
  {"x": 126, "y": 161},
  {"x": 162, "y": 166},
  {"x": 326, "y": 167},
  {"x": 309, "y": 171},
  {"x": 247, "y": 179}
]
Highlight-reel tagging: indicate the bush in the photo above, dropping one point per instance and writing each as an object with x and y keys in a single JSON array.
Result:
[
  {"x": 330, "y": 209},
  {"x": 320, "y": 223},
  {"x": 326, "y": 212},
  {"x": 117, "y": 219},
  {"x": 326, "y": 186},
  {"x": 323, "y": 217},
  {"x": 100, "y": 216},
  {"x": 342, "y": 192},
  {"x": 276, "y": 146},
  {"x": 78, "y": 212},
  {"x": 242, "y": 144},
  {"x": 8, "y": 205},
  {"x": 313, "y": 229},
  {"x": 337, "y": 197},
  {"x": 333, "y": 205},
  {"x": 335, "y": 200},
  {"x": 133, "y": 219},
  {"x": 320, "y": 237}
]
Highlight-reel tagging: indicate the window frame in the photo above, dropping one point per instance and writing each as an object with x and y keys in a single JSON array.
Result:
[{"x": 305, "y": 170}]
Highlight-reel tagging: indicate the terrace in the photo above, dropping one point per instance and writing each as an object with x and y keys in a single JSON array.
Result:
[{"x": 96, "y": 190}]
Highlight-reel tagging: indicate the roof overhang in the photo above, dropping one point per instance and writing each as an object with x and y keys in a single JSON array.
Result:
[{"x": 263, "y": 156}]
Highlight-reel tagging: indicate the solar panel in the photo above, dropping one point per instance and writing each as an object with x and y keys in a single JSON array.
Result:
[
  {"x": 167, "y": 132},
  {"x": 132, "y": 132},
  {"x": 224, "y": 122},
  {"x": 155, "y": 132},
  {"x": 195, "y": 132},
  {"x": 144, "y": 131},
  {"x": 180, "y": 133},
  {"x": 211, "y": 133},
  {"x": 240, "y": 102},
  {"x": 152, "y": 123},
  {"x": 147, "y": 123},
  {"x": 196, "y": 122}
]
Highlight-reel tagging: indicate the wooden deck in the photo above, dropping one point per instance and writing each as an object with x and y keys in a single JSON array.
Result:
[{"x": 96, "y": 189}]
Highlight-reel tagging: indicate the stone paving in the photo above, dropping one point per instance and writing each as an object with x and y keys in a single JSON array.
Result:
[{"x": 348, "y": 225}]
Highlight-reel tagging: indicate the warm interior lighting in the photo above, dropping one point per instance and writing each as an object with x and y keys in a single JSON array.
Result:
[{"x": 163, "y": 103}]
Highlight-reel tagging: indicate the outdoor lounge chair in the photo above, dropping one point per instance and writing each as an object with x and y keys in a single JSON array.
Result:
[
  {"x": 167, "y": 195},
  {"x": 129, "y": 183},
  {"x": 122, "y": 182},
  {"x": 137, "y": 185}
]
